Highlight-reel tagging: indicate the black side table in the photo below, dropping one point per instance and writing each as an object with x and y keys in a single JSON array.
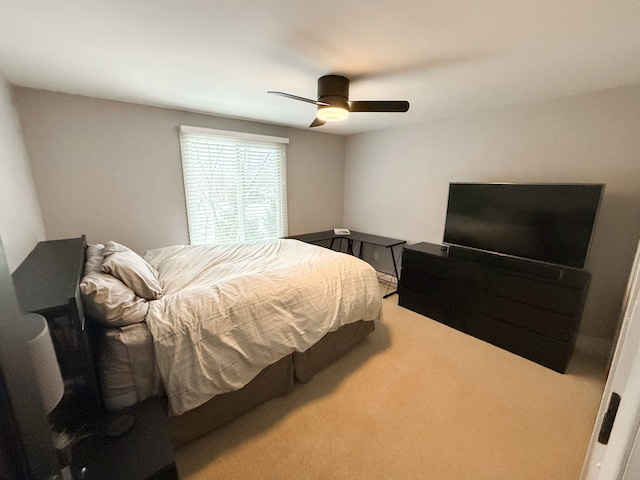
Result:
[
  {"x": 46, "y": 282},
  {"x": 142, "y": 453}
]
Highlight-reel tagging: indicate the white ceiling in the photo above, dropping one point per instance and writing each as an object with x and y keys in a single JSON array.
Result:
[{"x": 447, "y": 57}]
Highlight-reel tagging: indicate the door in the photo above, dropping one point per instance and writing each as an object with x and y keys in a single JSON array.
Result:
[{"x": 613, "y": 453}]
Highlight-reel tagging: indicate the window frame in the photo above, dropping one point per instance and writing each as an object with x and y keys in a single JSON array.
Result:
[{"x": 248, "y": 143}]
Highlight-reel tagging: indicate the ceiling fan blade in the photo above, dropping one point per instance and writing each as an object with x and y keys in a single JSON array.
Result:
[
  {"x": 295, "y": 97},
  {"x": 379, "y": 106},
  {"x": 317, "y": 123}
]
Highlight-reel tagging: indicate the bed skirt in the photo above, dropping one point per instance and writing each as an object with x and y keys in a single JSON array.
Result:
[
  {"x": 329, "y": 349},
  {"x": 274, "y": 381}
]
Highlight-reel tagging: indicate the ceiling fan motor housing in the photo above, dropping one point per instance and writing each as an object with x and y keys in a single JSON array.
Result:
[{"x": 334, "y": 90}]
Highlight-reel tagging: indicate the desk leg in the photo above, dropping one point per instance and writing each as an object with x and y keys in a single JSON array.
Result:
[
  {"x": 349, "y": 246},
  {"x": 395, "y": 271}
]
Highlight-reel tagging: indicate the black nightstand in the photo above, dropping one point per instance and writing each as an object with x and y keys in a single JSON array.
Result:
[
  {"x": 46, "y": 282},
  {"x": 142, "y": 453}
]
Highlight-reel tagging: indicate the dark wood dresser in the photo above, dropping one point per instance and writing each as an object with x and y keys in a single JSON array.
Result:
[
  {"x": 47, "y": 283},
  {"x": 528, "y": 308}
]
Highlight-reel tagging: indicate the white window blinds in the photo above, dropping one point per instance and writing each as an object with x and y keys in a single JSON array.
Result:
[{"x": 235, "y": 185}]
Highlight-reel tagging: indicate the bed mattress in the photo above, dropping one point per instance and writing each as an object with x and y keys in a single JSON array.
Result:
[{"x": 128, "y": 370}]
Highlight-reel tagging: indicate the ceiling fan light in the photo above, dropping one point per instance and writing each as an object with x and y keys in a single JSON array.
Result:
[{"x": 332, "y": 114}]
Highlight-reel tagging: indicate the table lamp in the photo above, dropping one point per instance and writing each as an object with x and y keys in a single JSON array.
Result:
[{"x": 43, "y": 358}]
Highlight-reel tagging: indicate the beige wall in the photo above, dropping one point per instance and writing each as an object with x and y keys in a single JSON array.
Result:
[
  {"x": 21, "y": 225},
  {"x": 21, "y": 229},
  {"x": 396, "y": 181},
  {"x": 112, "y": 170}
]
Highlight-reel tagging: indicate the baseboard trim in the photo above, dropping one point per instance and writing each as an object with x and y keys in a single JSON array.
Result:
[{"x": 594, "y": 346}]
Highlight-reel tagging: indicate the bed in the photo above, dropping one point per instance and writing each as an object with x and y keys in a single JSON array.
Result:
[{"x": 221, "y": 329}]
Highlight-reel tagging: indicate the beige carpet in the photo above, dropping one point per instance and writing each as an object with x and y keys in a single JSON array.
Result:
[{"x": 415, "y": 400}]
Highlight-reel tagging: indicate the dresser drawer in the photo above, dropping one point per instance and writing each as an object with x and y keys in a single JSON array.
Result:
[
  {"x": 439, "y": 267},
  {"x": 545, "y": 322},
  {"x": 549, "y": 296},
  {"x": 439, "y": 288},
  {"x": 434, "y": 308},
  {"x": 501, "y": 334}
]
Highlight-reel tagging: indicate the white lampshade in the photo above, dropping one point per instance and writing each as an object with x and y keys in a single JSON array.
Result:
[{"x": 43, "y": 358}]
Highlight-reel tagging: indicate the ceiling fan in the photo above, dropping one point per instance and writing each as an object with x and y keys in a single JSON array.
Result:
[{"x": 334, "y": 105}]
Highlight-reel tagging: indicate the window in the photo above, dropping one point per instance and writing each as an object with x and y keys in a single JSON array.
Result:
[{"x": 235, "y": 185}]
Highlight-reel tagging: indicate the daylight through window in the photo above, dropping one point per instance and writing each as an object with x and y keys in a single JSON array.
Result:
[{"x": 235, "y": 185}]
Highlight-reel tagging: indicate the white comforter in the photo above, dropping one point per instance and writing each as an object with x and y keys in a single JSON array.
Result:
[{"x": 229, "y": 311}]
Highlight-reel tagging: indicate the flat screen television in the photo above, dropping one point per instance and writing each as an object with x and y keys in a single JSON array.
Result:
[{"x": 551, "y": 223}]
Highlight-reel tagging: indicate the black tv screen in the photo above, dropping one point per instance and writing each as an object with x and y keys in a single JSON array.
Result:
[{"x": 551, "y": 223}]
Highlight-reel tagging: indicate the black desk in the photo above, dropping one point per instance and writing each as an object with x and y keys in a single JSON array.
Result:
[{"x": 351, "y": 239}]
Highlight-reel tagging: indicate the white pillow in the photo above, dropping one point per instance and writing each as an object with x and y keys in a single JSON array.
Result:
[
  {"x": 93, "y": 262},
  {"x": 110, "y": 302},
  {"x": 133, "y": 270}
]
